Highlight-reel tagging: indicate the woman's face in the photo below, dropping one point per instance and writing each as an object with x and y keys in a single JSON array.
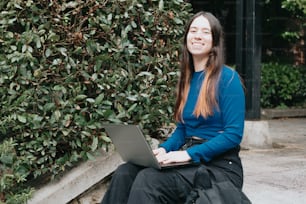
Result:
[{"x": 199, "y": 37}]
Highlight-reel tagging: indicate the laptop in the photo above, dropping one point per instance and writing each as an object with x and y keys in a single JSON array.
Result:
[{"x": 133, "y": 147}]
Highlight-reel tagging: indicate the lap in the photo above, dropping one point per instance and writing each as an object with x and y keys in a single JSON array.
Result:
[
  {"x": 155, "y": 175},
  {"x": 135, "y": 183},
  {"x": 231, "y": 168},
  {"x": 160, "y": 186}
]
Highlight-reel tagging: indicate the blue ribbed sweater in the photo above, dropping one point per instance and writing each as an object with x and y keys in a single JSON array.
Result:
[{"x": 223, "y": 130}]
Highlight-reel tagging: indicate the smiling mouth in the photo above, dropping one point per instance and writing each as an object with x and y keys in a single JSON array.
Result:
[{"x": 197, "y": 43}]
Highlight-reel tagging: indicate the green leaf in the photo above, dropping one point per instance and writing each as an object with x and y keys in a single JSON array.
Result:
[
  {"x": 7, "y": 159},
  {"x": 132, "y": 108},
  {"x": 80, "y": 97},
  {"x": 99, "y": 99},
  {"x": 106, "y": 139},
  {"x": 90, "y": 100},
  {"x": 90, "y": 156},
  {"x": 21, "y": 119},
  {"x": 48, "y": 52},
  {"x": 94, "y": 144},
  {"x": 57, "y": 114}
]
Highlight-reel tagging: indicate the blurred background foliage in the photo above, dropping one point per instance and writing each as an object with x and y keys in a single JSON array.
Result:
[
  {"x": 283, "y": 86},
  {"x": 284, "y": 31},
  {"x": 283, "y": 71}
]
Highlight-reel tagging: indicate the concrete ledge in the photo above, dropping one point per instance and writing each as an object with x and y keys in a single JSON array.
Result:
[
  {"x": 283, "y": 113},
  {"x": 78, "y": 180},
  {"x": 256, "y": 134}
]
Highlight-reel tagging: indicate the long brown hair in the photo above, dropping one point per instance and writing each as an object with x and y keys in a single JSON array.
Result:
[{"x": 207, "y": 100}]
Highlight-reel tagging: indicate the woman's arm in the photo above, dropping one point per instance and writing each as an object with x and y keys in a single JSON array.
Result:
[
  {"x": 176, "y": 140},
  {"x": 232, "y": 108}
]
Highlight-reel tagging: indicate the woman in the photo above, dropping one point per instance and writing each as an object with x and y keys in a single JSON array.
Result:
[{"x": 209, "y": 111}]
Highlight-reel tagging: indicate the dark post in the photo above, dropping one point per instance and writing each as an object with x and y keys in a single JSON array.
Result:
[
  {"x": 240, "y": 30},
  {"x": 248, "y": 53}
]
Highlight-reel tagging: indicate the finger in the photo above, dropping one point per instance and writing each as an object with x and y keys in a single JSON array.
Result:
[
  {"x": 155, "y": 151},
  {"x": 162, "y": 158},
  {"x": 168, "y": 158},
  {"x": 167, "y": 161},
  {"x": 159, "y": 158}
]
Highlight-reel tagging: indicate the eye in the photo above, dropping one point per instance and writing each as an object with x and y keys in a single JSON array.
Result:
[
  {"x": 207, "y": 32},
  {"x": 192, "y": 30}
]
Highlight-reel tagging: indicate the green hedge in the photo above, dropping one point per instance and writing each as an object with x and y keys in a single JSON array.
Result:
[
  {"x": 66, "y": 68},
  {"x": 283, "y": 85}
]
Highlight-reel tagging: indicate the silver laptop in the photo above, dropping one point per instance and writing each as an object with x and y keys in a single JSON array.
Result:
[{"x": 133, "y": 147}]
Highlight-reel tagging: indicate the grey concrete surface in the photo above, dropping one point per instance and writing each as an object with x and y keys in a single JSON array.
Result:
[
  {"x": 256, "y": 135},
  {"x": 277, "y": 175}
]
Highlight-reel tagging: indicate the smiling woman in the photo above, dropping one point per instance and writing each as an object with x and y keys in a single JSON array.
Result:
[{"x": 209, "y": 106}]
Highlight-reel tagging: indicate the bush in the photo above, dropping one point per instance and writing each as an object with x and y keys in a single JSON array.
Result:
[
  {"x": 66, "y": 68},
  {"x": 13, "y": 174},
  {"x": 282, "y": 85}
]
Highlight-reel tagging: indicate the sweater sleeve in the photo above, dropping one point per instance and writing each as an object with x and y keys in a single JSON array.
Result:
[
  {"x": 176, "y": 140},
  {"x": 232, "y": 108}
]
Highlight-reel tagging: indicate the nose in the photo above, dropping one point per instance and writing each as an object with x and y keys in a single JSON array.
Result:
[{"x": 198, "y": 35}]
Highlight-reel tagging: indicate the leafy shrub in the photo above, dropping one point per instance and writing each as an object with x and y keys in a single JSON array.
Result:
[
  {"x": 13, "y": 174},
  {"x": 282, "y": 85},
  {"x": 66, "y": 67}
]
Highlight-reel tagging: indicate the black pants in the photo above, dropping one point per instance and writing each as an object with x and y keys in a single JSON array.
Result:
[{"x": 133, "y": 184}]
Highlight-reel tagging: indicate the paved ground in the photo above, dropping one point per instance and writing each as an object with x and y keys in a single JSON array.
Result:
[
  {"x": 272, "y": 176},
  {"x": 278, "y": 175}
]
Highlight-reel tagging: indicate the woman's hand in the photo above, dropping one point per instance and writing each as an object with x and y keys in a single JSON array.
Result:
[
  {"x": 175, "y": 156},
  {"x": 159, "y": 151}
]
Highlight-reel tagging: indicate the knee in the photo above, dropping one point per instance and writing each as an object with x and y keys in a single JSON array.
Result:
[
  {"x": 149, "y": 174},
  {"x": 127, "y": 169}
]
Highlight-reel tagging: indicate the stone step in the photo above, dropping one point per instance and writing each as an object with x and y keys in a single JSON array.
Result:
[
  {"x": 283, "y": 113},
  {"x": 78, "y": 180}
]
